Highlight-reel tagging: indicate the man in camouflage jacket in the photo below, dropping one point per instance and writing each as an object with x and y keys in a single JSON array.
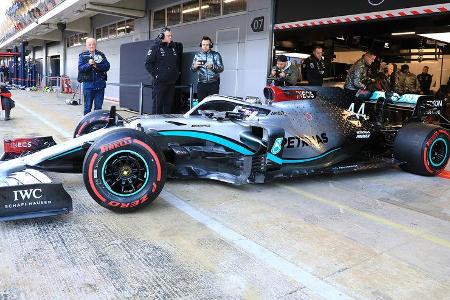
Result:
[
  {"x": 357, "y": 77},
  {"x": 407, "y": 82}
]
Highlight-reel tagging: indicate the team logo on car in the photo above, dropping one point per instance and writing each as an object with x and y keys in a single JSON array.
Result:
[
  {"x": 277, "y": 146},
  {"x": 98, "y": 58}
]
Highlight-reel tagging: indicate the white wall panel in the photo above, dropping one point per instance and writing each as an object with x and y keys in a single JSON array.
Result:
[
  {"x": 55, "y": 49},
  {"x": 38, "y": 52},
  {"x": 111, "y": 48}
]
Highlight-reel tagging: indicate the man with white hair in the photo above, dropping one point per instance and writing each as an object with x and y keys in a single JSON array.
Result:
[{"x": 92, "y": 68}]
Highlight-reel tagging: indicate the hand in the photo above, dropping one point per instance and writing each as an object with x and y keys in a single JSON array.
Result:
[
  {"x": 91, "y": 62},
  {"x": 197, "y": 65},
  {"x": 282, "y": 75},
  {"x": 274, "y": 73},
  {"x": 209, "y": 66}
]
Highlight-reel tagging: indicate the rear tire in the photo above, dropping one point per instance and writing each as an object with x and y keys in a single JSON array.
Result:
[
  {"x": 93, "y": 121},
  {"x": 124, "y": 170},
  {"x": 424, "y": 149}
]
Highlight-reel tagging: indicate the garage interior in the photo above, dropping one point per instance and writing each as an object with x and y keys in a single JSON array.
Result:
[{"x": 416, "y": 40}]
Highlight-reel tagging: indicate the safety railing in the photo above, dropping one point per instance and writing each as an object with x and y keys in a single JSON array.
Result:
[
  {"x": 52, "y": 83},
  {"x": 60, "y": 84}
]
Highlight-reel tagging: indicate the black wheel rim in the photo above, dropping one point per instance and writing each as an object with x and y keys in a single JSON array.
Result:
[
  {"x": 125, "y": 173},
  {"x": 437, "y": 155}
]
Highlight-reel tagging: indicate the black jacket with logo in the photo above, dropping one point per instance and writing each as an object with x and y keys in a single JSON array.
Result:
[
  {"x": 162, "y": 62},
  {"x": 313, "y": 70},
  {"x": 425, "y": 82}
]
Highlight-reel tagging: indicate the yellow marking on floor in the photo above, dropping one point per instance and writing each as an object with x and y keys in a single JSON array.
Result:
[{"x": 371, "y": 217}]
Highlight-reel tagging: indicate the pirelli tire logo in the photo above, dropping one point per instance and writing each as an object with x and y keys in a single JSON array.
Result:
[{"x": 116, "y": 144}]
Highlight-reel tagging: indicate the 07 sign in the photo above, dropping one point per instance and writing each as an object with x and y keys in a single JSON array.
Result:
[{"x": 257, "y": 24}]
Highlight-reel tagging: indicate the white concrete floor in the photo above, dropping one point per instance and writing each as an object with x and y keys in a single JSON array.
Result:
[{"x": 383, "y": 234}]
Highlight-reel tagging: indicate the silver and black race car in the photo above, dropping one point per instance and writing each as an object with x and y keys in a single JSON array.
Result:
[{"x": 293, "y": 132}]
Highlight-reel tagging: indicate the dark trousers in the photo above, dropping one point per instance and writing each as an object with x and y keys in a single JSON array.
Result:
[
  {"x": 206, "y": 89},
  {"x": 163, "y": 98},
  {"x": 351, "y": 94},
  {"x": 93, "y": 96},
  {"x": 6, "y": 105}
]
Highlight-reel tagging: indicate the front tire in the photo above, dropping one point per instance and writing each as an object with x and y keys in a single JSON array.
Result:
[
  {"x": 124, "y": 171},
  {"x": 424, "y": 149}
]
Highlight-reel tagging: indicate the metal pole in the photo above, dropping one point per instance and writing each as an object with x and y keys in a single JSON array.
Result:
[
  {"x": 191, "y": 94},
  {"x": 58, "y": 86},
  {"x": 80, "y": 93},
  {"x": 442, "y": 66},
  {"x": 141, "y": 98}
]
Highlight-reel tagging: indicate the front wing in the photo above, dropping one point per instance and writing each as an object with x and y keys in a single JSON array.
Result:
[{"x": 31, "y": 194}]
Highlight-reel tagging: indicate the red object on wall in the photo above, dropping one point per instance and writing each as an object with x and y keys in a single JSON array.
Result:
[{"x": 9, "y": 54}]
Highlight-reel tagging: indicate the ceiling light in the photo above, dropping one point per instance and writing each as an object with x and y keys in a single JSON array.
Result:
[
  {"x": 442, "y": 36},
  {"x": 194, "y": 9},
  {"x": 293, "y": 54},
  {"x": 404, "y": 33}
]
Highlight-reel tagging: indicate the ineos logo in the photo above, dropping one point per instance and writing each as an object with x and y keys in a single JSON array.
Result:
[
  {"x": 27, "y": 194},
  {"x": 375, "y": 2},
  {"x": 22, "y": 145}
]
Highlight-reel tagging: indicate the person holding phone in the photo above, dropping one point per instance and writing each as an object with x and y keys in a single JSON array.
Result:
[
  {"x": 284, "y": 73},
  {"x": 208, "y": 65},
  {"x": 92, "y": 68}
]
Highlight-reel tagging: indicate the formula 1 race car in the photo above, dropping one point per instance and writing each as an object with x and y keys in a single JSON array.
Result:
[{"x": 294, "y": 131}]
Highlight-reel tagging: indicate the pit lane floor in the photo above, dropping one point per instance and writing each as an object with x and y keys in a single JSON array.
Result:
[{"x": 382, "y": 234}]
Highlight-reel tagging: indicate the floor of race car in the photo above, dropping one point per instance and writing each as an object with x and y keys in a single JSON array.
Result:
[{"x": 383, "y": 234}]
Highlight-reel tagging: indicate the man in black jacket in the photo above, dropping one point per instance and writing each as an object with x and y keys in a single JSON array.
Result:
[
  {"x": 162, "y": 63},
  {"x": 314, "y": 67},
  {"x": 425, "y": 80}
]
